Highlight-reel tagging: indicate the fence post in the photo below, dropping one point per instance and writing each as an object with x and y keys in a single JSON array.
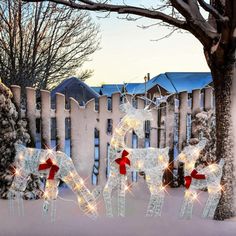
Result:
[
  {"x": 60, "y": 122},
  {"x": 154, "y": 129},
  {"x": 74, "y": 116},
  {"x": 208, "y": 101},
  {"x": 103, "y": 114},
  {"x": 183, "y": 111},
  {"x": 31, "y": 113},
  {"x": 196, "y": 104},
  {"x": 196, "y": 101},
  {"x": 16, "y": 91},
  {"x": 170, "y": 124},
  {"x": 140, "y": 105},
  {"x": 45, "y": 119},
  {"x": 162, "y": 125},
  {"x": 129, "y": 136}
]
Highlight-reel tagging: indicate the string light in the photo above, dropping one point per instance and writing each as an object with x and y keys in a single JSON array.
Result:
[
  {"x": 17, "y": 172},
  {"x": 58, "y": 166},
  {"x": 152, "y": 161}
]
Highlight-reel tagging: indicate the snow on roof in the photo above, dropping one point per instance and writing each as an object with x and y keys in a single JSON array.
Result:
[{"x": 174, "y": 82}]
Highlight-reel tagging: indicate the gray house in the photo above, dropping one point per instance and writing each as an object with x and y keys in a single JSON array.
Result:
[{"x": 75, "y": 88}]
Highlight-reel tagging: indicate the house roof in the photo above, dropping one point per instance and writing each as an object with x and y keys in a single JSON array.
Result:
[
  {"x": 74, "y": 87},
  {"x": 97, "y": 89},
  {"x": 131, "y": 87},
  {"x": 109, "y": 89},
  {"x": 174, "y": 82}
]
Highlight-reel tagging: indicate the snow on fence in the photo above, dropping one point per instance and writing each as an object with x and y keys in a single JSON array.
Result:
[{"x": 168, "y": 128}]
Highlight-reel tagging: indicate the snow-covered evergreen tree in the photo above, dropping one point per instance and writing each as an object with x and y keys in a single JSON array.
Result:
[
  {"x": 12, "y": 131},
  {"x": 203, "y": 126}
]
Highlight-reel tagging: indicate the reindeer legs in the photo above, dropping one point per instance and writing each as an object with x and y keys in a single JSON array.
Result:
[
  {"x": 187, "y": 205},
  {"x": 112, "y": 182},
  {"x": 212, "y": 202},
  {"x": 121, "y": 196},
  {"x": 50, "y": 196},
  {"x": 157, "y": 194},
  {"x": 17, "y": 189}
]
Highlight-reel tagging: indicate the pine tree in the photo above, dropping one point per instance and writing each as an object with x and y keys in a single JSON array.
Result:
[
  {"x": 204, "y": 126},
  {"x": 12, "y": 131}
]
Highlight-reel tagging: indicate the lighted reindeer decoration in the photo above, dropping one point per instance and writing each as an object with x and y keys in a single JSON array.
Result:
[
  {"x": 54, "y": 166},
  {"x": 123, "y": 160},
  {"x": 209, "y": 177}
]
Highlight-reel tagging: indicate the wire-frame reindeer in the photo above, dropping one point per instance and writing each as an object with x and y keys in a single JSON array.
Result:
[
  {"x": 55, "y": 166},
  {"x": 208, "y": 177},
  {"x": 123, "y": 160}
]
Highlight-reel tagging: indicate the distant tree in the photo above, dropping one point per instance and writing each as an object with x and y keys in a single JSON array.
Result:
[
  {"x": 42, "y": 43},
  {"x": 217, "y": 34},
  {"x": 85, "y": 74}
]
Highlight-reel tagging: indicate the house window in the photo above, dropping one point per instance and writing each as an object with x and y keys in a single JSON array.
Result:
[
  {"x": 96, "y": 157},
  {"x": 109, "y": 126}
]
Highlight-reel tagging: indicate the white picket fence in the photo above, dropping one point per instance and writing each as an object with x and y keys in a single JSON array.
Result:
[{"x": 84, "y": 120}]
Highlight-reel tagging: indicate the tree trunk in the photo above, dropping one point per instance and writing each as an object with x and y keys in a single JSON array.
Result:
[{"x": 223, "y": 79}]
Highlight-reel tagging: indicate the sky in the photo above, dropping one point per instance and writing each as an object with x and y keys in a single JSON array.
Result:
[{"x": 129, "y": 52}]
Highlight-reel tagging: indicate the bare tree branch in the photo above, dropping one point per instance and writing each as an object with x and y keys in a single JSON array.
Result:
[
  {"x": 212, "y": 10},
  {"x": 121, "y": 9}
]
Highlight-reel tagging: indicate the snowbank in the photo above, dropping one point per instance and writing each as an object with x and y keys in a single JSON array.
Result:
[{"x": 70, "y": 220}]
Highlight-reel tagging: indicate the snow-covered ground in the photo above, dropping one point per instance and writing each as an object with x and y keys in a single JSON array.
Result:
[{"x": 70, "y": 220}]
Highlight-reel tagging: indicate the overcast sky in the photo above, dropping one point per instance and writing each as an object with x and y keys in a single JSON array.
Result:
[{"x": 128, "y": 53}]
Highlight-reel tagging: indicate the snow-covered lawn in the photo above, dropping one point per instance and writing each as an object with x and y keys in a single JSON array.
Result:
[{"x": 70, "y": 220}]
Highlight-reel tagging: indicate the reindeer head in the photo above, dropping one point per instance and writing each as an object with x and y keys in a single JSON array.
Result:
[
  {"x": 191, "y": 153},
  {"x": 89, "y": 205},
  {"x": 135, "y": 118}
]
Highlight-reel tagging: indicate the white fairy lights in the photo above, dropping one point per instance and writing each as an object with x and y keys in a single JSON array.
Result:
[
  {"x": 123, "y": 160},
  {"x": 209, "y": 177},
  {"x": 54, "y": 166}
]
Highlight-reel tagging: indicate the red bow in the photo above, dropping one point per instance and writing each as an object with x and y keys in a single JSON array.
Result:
[
  {"x": 123, "y": 161},
  {"x": 49, "y": 165},
  {"x": 194, "y": 174}
]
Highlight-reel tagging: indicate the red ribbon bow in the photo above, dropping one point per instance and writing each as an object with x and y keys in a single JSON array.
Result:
[
  {"x": 49, "y": 165},
  {"x": 123, "y": 161},
  {"x": 194, "y": 174}
]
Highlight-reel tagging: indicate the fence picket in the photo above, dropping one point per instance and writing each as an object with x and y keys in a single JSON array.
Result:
[
  {"x": 162, "y": 125},
  {"x": 103, "y": 114},
  {"x": 208, "y": 98},
  {"x": 45, "y": 119},
  {"x": 74, "y": 116},
  {"x": 196, "y": 101},
  {"x": 31, "y": 113},
  {"x": 16, "y": 91},
  {"x": 141, "y": 105},
  {"x": 183, "y": 109},
  {"x": 60, "y": 122}
]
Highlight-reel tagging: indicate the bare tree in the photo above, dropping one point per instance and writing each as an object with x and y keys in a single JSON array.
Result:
[
  {"x": 42, "y": 43},
  {"x": 217, "y": 34}
]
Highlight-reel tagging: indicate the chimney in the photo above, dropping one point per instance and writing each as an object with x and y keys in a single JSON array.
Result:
[{"x": 148, "y": 76}]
